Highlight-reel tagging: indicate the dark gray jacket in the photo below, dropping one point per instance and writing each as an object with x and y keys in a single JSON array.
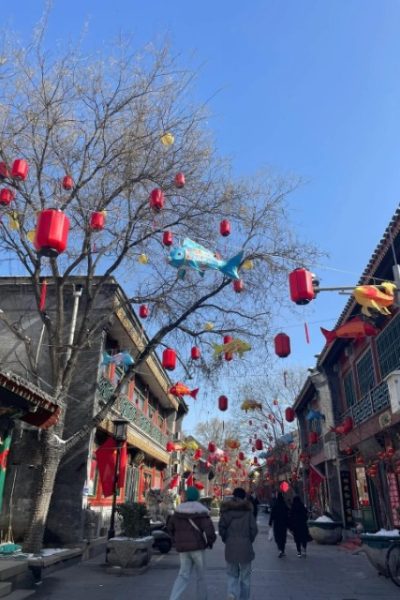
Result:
[{"x": 238, "y": 529}]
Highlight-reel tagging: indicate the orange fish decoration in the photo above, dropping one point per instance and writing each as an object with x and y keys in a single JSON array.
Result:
[
  {"x": 180, "y": 389},
  {"x": 354, "y": 329},
  {"x": 377, "y": 297}
]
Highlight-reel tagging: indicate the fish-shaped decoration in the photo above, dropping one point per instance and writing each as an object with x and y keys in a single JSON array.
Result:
[
  {"x": 377, "y": 297},
  {"x": 236, "y": 345},
  {"x": 250, "y": 405},
  {"x": 122, "y": 358},
  {"x": 180, "y": 389},
  {"x": 194, "y": 256},
  {"x": 354, "y": 329}
]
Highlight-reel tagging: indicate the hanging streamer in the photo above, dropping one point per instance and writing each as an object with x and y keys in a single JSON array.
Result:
[
  {"x": 43, "y": 296},
  {"x": 307, "y": 333}
]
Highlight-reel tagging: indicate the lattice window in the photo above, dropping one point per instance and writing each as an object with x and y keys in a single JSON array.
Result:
[
  {"x": 388, "y": 345},
  {"x": 365, "y": 373},
  {"x": 349, "y": 391}
]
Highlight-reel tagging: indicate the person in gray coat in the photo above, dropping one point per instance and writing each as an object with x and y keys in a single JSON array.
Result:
[{"x": 238, "y": 529}]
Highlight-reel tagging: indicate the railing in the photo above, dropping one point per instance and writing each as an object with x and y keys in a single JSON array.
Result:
[
  {"x": 374, "y": 402},
  {"x": 130, "y": 412}
]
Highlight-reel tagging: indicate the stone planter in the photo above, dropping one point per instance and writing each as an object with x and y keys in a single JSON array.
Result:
[
  {"x": 376, "y": 547},
  {"x": 129, "y": 553},
  {"x": 326, "y": 532}
]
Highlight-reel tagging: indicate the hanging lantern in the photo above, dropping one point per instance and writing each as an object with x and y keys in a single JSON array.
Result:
[
  {"x": 301, "y": 284},
  {"x": 51, "y": 232},
  {"x": 67, "y": 183},
  {"x": 225, "y": 228},
  {"x": 6, "y": 196},
  {"x": 97, "y": 220},
  {"x": 167, "y": 139},
  {"x": 168, "y": 238},
  {"x": 169, "y": 359},
  {"x": 170, "y": 446},
  {"x": 290, "y": 414},
  {"x": 143, "y": 311},
  {"x": 157, "y": 199},
  {"x": 19, "y": 169},
  {"x": 347, "y": 424},
  {"x": 195, "y": 353},
  {"x": 223, "y": 403},
  {"x": 4, "y": 172},
  {"x": 390, "y": 452},
  {"x": 198, "y": 454},
  {"x": 238, "y": 285},
  {"x": 259, "y": 445},
  {"x": 284, "y": 487},
  {"x": 180, "y": 180},
  {"x": 282, "y": 345},
  {"x": 212, "y": 447},
  {"x": 241, "y": 456},
  {"x": 227, "y": 340},
  {"x": 312, "y": 437},
  {"x": 198, "y": 485}
]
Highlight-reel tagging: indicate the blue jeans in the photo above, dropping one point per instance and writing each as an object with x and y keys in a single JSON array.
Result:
[
  {"x": 239, "y": 580},
  {"x": 195, "y": 559}
]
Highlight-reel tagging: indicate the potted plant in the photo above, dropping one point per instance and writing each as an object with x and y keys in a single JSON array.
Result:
[
  {"x": 325, "y": 530},
  {"x": 133, "y": 548}
]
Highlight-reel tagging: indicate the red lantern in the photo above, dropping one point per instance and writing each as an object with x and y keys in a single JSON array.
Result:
[
  {"x": 180, "y": 180},
  {"x": 282, "y": 345},
  {"x": 19, "y": 169},
  {"x": 225, "y": 228},
  {"x": 390, "y": 452},
  {"x": 212, "y": 447},
  {"x": 227, "y": 340},
  {"x": 4, "y": 172},
  {"x": 51, "y": 235},
  {"x": 312, "y": 437},
  {"x": 157, "y": 199},
  {"x": 168, "y": 238},
  {"x": 170, "y": 446},
  {"x": 6, "y": 196},
  {"x": 241, "y": 456},
  {"x": 223, "y": 403},
  {"x": 347, "y": 424},
  {"x": 301, "y": 283},
  {"x": 198, "y": 454},
  {"x": 67, "y": 182},
  {"x": 169, "y": 359},
  {"x": 259, "y": 445},
  {"x": 238, "y": 285},
  {"x": 360, "y": 461},
  {"x": 195, "y": 353},
  {"x": 199, "y": 485},
  {"x": 143, "y": 311},
  {"x": 284, "y": 487},
  {"x": 97, "y": 221},
  {"x": 290, "y": 414}
]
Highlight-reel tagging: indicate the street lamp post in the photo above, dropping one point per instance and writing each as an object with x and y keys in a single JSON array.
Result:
[{"x": 120, "y": 434}]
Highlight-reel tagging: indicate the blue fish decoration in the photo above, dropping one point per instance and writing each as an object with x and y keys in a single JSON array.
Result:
[
  {"x": 194, "y": 256},
  {"x": 122, "y": 358}
]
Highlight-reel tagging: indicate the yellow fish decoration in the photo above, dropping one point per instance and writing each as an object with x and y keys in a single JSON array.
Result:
[
  {"x": 377, "y": 297},
  {"x": 13, "y": 220},
  {"x": 209, "y": 326},
  {"x": 236, "y": 345},
  {"x": 251, "y": 405},
  {"x": 248, "y": 265},
  {"x": 31, "y": 235},
  {"x": 190, "y": 445},
  {"x": 143, "y": 259},
  {"x": 167, "y": 139}
]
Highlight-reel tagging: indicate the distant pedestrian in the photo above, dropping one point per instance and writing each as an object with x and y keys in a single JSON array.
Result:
[
  {"x": 298, "y": 515},
  {"x": 254, "y": 501},
  {"x": 279, "y": 521},
  {"x": 238, "y": 529},
  {"x": 192, "y": 532}
]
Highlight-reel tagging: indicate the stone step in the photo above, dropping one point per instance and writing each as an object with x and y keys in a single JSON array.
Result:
[
  {"x": 20, "y": 594},
  {"x": 12, "y": 568},
  {"x": 5, "y": 588}
]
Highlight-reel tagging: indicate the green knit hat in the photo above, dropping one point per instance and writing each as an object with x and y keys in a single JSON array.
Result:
[{"x": 192, "y": 494}]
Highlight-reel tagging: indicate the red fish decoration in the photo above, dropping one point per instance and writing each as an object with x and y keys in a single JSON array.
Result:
[
  {"x": 180, "y": 389},
  {"x": 354, "y": 329}
]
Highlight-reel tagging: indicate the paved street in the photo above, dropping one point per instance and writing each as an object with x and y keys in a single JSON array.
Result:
[{"x": 328, "y": 573}]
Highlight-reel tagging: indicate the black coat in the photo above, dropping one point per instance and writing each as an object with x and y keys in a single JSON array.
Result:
[
  {"x": 298, "y": 524},
  {"x": 279, "y": 520},
  {"x": 238, "y": 529}
]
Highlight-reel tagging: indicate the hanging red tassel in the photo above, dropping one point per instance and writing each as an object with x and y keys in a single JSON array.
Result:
[
  {"x": 307, "y": 333},
  {"x": 43, "y": 295}
]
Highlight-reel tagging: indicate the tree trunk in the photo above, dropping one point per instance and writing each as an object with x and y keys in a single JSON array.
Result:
[{"x": 52, "y": 454}]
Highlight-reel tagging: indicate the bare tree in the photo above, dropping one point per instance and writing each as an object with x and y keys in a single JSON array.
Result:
[
  {"x": 216, "y": 430},
  {"x": 101, "y": 119}
]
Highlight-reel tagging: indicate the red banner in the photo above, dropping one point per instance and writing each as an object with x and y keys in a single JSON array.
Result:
[{"x": 106, "y": 456}]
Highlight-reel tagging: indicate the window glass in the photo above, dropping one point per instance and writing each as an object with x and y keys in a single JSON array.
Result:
[
  {"x": 348, "y": 386},
  {"x": 365, "y": 373},
  {"x": 389, "y": 347}
]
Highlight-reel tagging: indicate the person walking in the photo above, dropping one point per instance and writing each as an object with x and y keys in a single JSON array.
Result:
[
  {"x": 279, "y": 521},
  {"x": 192, "y": 531},
  {"x": 254, "y": 501},
  {"x": 298, "y": 515},
  {"x": 238, "y": 529}
]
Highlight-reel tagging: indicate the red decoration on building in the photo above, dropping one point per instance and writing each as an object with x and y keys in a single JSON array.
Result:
[
  {"x": 195, "y": 353},
  {"x": 241, "y": 456},
  {"x": 170, "y": 446},
  {"x": 312, "y": 437},
  {"x": 143, "y": 311},
  {"x": 106, "y": 458},
  {"x": 199, "y": 485},
  {"x": 301, "y": 283},
  {"x": 227, "y": 340},
  {"x": 67, "y": 182},
  {"x": 4, "y": 171},
  {"x": 347, "y": 424},
  {"x": 97, "y": 221},
  {"x": 223, "y": 403},
  {"x": 290, "y": 414},
  {"x": 282, "y": 345},
  {"x": 51, "y": 235},
  {"x": 157, "y": 199},
  {"x": 6, "y": 196},
  {"x": 198, "y": 454},
  {"x": 180, "y": 180},
  {"x": 169, "y": 359},
  {"x": 238, "y": 285},
  {"x": 43, "y": 296},
  {"x": 212, "y": 447},
  {"x": 259, "y": 444},
  {"x": 168, "y": 238},
  {"x": 19, "y": 169},
  {"x": 225, "y": 228}
]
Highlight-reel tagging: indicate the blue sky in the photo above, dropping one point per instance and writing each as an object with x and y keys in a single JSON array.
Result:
[{"x": 308, "y": 87}]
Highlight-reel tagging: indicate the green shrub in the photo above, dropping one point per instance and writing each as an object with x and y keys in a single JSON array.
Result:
[{"x": 135, "y": 520}]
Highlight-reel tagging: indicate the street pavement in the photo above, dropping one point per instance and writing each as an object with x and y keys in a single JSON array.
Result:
[{"x": 328, "y": 573}]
